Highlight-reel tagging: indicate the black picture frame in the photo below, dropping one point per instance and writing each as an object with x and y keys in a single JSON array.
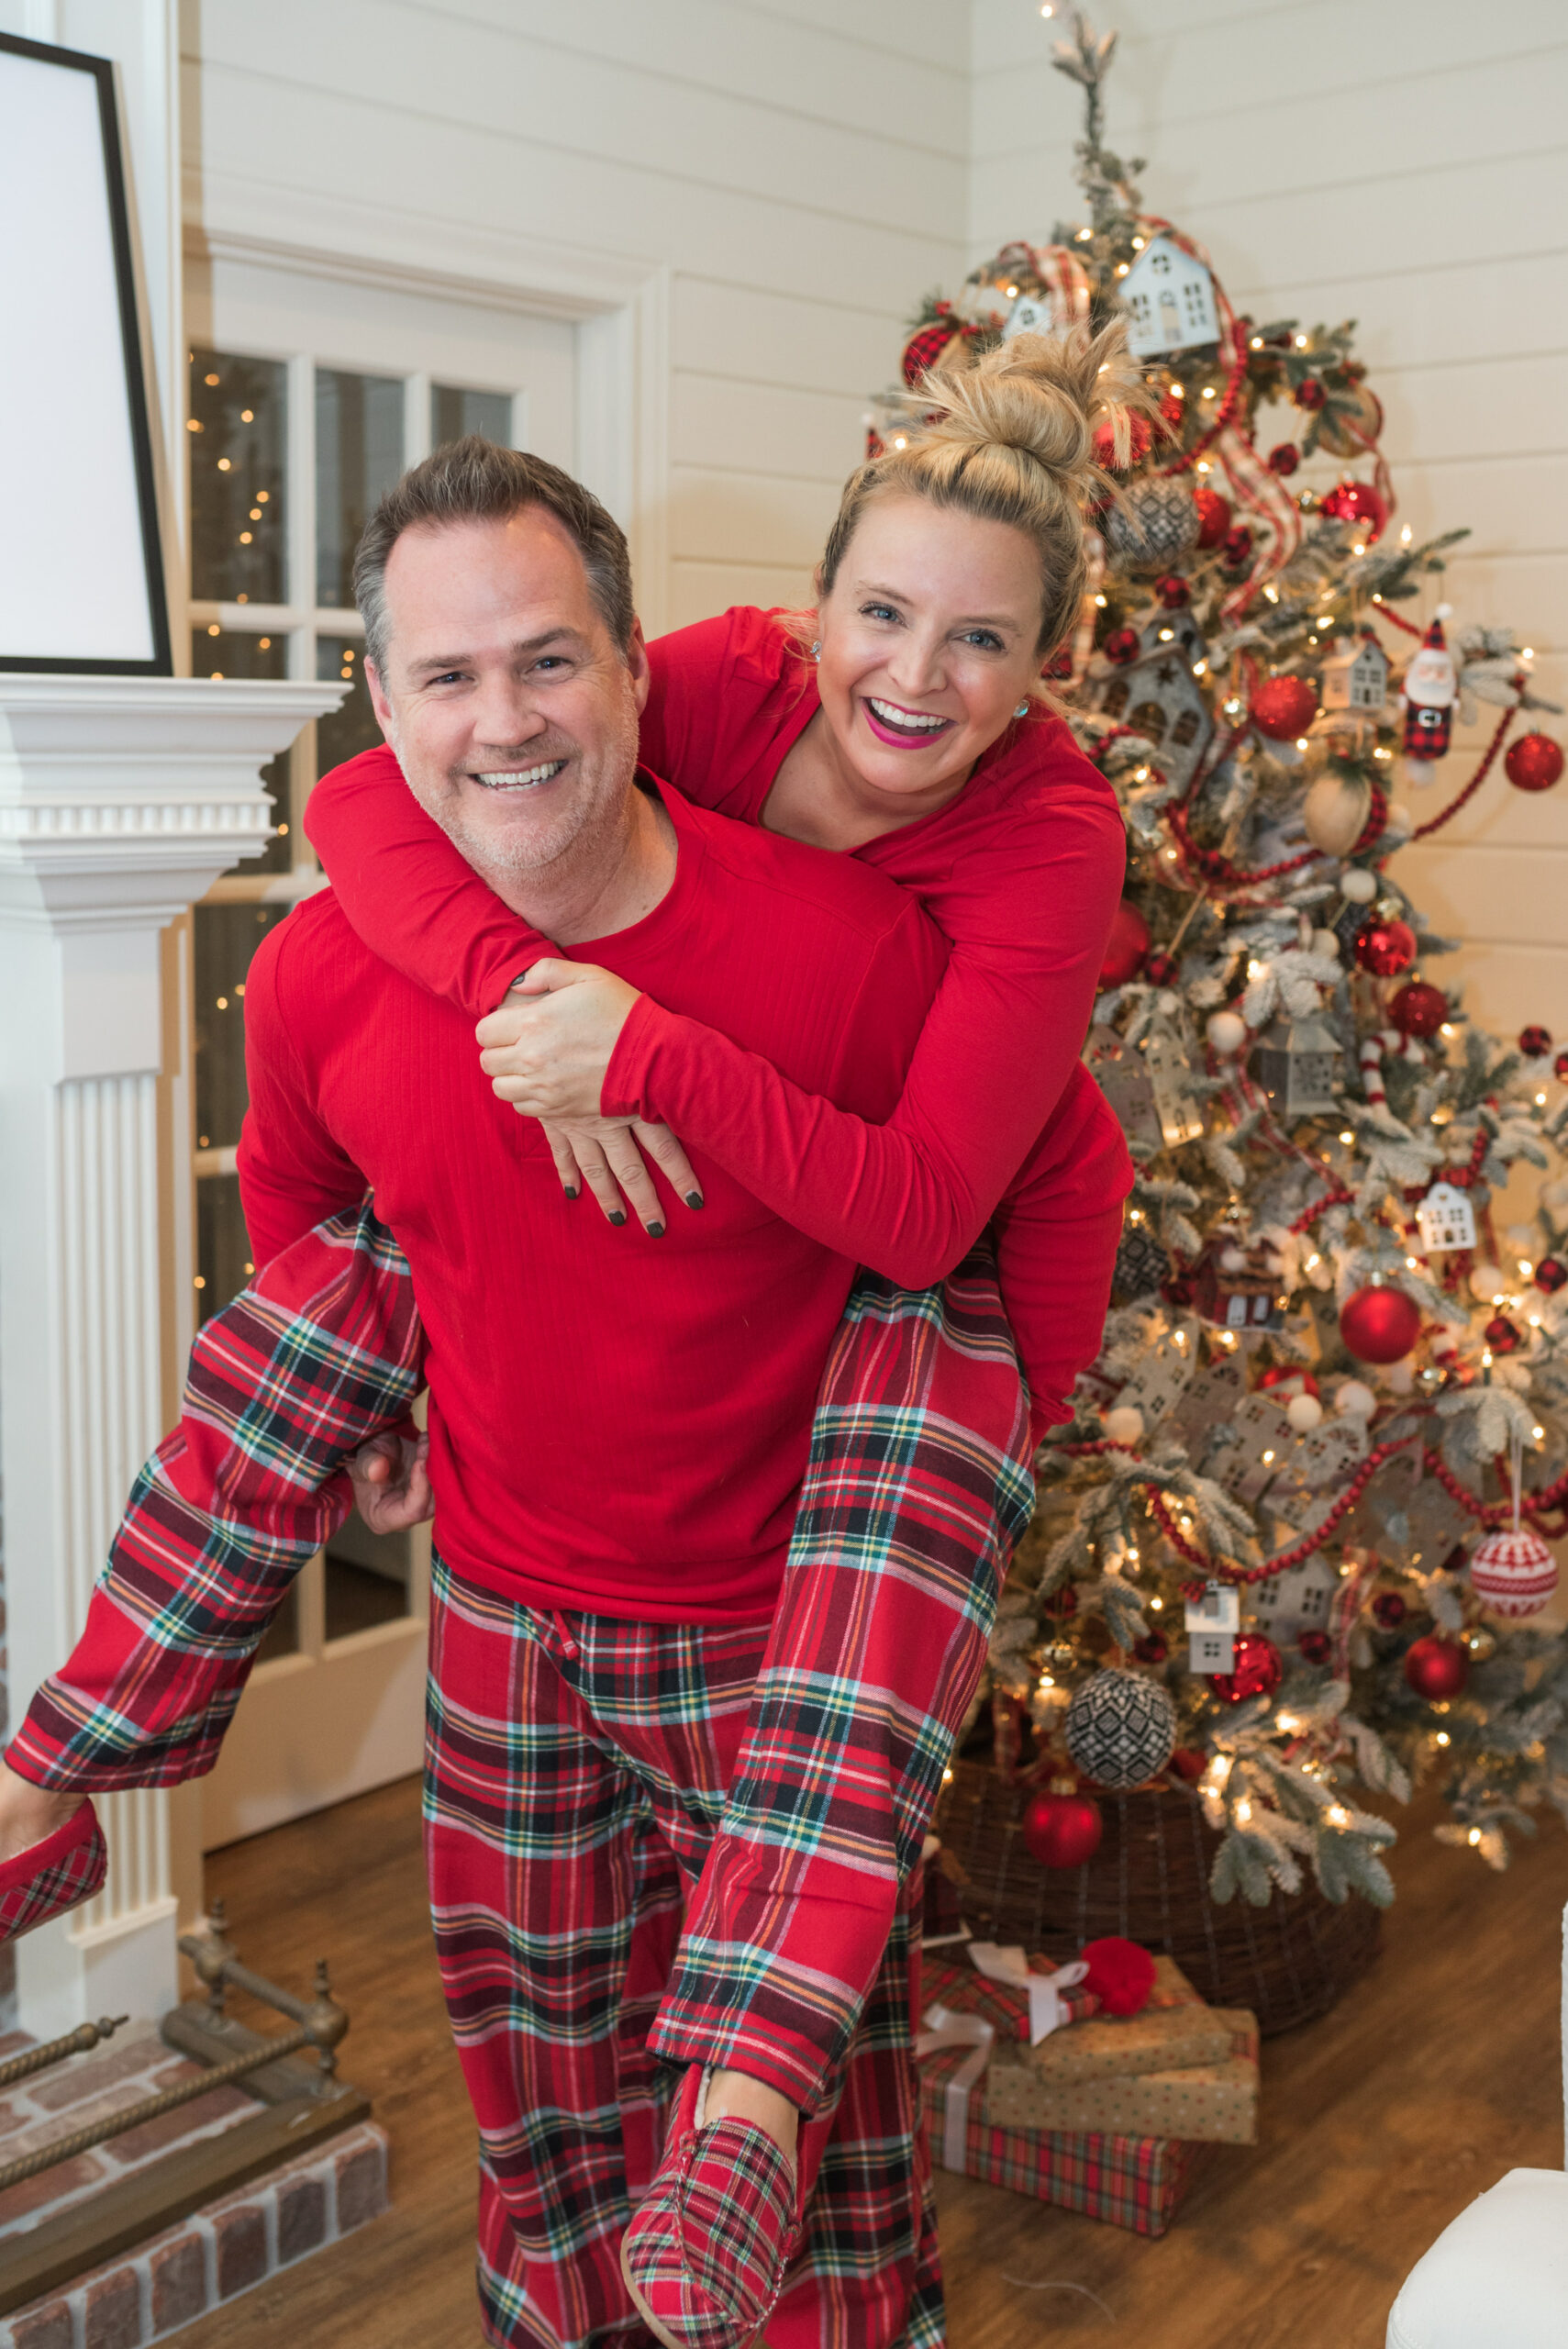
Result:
[{"x": 160, "y": 662}]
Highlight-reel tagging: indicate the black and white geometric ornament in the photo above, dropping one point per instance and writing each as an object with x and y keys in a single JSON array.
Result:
[
  {"x": 1120, "y": 1728},
  {"x": 1141, "y": 1264},
  {"x": 1152, "y": 526}
]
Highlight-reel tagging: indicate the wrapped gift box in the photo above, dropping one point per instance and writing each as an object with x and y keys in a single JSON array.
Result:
[
  {"x": 956, "y": 1982},
  {"x": 1133, "y": 2182},
  {"x": 1161, "y": 2039},
  {"x": 1213, "y": 2103}
]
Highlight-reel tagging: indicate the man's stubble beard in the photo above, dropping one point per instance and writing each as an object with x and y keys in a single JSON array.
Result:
[{"x": 509, "y": 853}]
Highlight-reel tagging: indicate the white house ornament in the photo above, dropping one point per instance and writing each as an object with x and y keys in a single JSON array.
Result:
[
  {"x": 1428, "y": 691},
  {"x": 1445, "y": 1219},
  {"x": 1030, "y": 314},
  {"x": 1211, "y": 1624},
  {"x": 1170, "y": 300},
  {"x": 1122, "y": 1075},
  {"x": 1158, "y": 696},
  {"x": 1355, "y": 676},
  {"x": 1513, "y": 1573},
  {"x": 1298, "y": 1600},
  {"x": 1120, "y": 1728},
  {"x": 1298, "y": 1064}
]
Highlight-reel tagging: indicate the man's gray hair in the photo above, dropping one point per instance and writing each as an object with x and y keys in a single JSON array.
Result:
[{"x": 472, "y": 480}]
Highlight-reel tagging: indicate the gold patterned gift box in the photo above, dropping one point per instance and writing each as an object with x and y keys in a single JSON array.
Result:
[{"x": 1212, "y": 2103}]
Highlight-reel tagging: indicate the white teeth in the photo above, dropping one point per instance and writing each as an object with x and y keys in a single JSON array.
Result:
[
  {"x": 518, "y": 778},
  {"x": 905, "y": 720}
]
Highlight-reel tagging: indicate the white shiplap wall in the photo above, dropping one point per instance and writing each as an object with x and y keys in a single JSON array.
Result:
[
  {"x": 802, "y": 174},
  {"x": 1406, "y": 165}
]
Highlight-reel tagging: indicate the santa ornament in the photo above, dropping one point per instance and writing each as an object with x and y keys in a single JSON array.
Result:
[{"x": 1428, "y": 693}]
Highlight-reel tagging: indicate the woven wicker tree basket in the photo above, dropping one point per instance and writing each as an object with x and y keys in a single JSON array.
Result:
[{"x": 1148, "y": 1880}]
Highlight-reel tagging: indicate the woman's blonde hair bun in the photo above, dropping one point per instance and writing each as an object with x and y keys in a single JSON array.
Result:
[{"x": 1010, "y": 438}]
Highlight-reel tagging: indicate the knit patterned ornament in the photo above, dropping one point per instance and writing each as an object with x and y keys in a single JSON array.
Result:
[
  {"x": 1513, "y": 1573},
  {"x": 1120, "y": 1729},
  {"x": 1153, "y": 524}
]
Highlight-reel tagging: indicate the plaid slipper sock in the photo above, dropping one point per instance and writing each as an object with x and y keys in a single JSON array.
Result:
[
  {"x": 708, "y": 2250},
  {"x": 65, "y": 1869}
]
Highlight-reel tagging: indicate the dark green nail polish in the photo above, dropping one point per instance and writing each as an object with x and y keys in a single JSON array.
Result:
[
  {"x": 618, "y": 1217},
  {"x": 656, "y": 1232},
  {"x": 694, "y": 1198},
  {"x": 571, "y": 1189}
]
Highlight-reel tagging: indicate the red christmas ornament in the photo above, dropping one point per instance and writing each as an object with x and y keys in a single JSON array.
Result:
[
  {"x": 1120, "y": 1975},
  {"x": 1284, "y": 460},
  {"x": 1238, "y": 546},
  {"x": 1159, "y": 970},
  {"x": 1314, "y": 1646},
  {"x": 1436, "y": 1668},
  {"x": 1390, "y": 1609},
  {"x": 1514, "y": 1573},
  {"x": 1310, "y": 395},
  {"x": 1283, "y": 707},
  {"x": 1287, "y": 1373},
  {"x": 1501, "y": 1335},
  {"x": 1062, "y": 1830},
  {"x": 1534, "y": 762},
  {"x": 1380, "y": 1324},
  {"x": 1385, "y": 948},
  {"x": 1122, "y": 645},
  {"x": 1174, "y": 408},
  {"x": 1187, "y": 1762},
  {"x": 1064, "y": 1603},
  {"x": 1535, "y": 1043},
  {"x": 1126, "y": 947},
  {"x": 1060, "y": 663},
  {"x": 1172, "y": 591},
  {"x": 1356, "y": 501},
  {"x": 1418, "y": 1010},
  {"x": 1257, "y": 1670},
  {"x": 1550, "y": 1274},
  {"x": 1560, "y": 1068},
  {"x": 1152, "y": 1650},
  {"x": 925, "y": 347},
  {"x": 1104, "y": 444},
  {"x": 1214, "y": 517}
]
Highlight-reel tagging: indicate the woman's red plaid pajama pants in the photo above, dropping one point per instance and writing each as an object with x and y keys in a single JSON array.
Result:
[{"x": 593, "y": 1783}]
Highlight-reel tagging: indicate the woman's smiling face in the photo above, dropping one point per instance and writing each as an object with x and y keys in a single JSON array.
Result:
[{"x": 929, "y": 642}]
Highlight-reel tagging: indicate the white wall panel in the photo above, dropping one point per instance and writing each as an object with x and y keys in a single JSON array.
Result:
[{"x": 1406, "y": 166}]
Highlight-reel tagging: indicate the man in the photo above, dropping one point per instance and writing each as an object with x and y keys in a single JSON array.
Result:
[{"x": 616, "y": 1444}]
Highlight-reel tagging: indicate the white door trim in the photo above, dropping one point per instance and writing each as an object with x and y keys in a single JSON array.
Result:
[{"x": 621, "y": 304}]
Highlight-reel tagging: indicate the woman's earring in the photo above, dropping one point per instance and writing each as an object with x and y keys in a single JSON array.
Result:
[
  {"x": 817, "y": 650},
  {"x": 1022, "y": 710}
]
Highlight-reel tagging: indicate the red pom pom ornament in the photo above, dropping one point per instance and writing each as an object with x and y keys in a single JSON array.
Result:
[
  {"x": 1550, "y": 1274},
  {"x": 1437, "y": 1669},
  {"x": 1316, "y": 1646},
  {"x": 1310, "y": 395},
  {"x": 1172, "y": 591},
  {"x": 1063, "y": 1831},
  {"x": 1535, "y": 1043},
  {"x": 1120, "y": 1975},
  {"x": 1285, "y": 459},
  {"x": 1238, "y": 546},
  {"x": 1390, "y": 1609},
  {"x": 1126, "y": 947},
  {"x": 1418, "y": 1009},
  {"x": 1159, "y": 970},
  {"x": 1283, "y": 707},
  {"x": 1501, "y": 1335},
  {"x": 1534, "y": 762},
  {"x": 1513, "y": 1573},
  {"x": 1380, "y": 1324},
  {"x": 1122, "y": 645},
  {"x": 1256, "y": 1671}
]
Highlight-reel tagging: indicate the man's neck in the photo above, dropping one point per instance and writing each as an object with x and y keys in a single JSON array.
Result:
[{"x": 604, "y": 883}]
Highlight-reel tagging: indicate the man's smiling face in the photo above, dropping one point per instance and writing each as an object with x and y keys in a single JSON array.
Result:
[{"x": 511, "y": 709}]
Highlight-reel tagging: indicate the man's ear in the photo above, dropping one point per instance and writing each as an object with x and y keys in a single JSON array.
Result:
[
  {"x": 636, "y": 665},
  {"x": 378, "y": 702}
]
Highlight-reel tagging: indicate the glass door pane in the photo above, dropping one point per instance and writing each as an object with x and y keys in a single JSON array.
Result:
[
  {"x": 454, "y": 412},
  {"x": 225, "y": 938},
  {"x": 344, "y": 732},
  {"x": 359, "y": 455},
  {"x": 238, "y": 430},
  {"x": 232, "y": 653}
]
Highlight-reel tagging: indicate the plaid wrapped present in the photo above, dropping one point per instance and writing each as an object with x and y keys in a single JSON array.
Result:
[{"x": 1001, "y": 1986}]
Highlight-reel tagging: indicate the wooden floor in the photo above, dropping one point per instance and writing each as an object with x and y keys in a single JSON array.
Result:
[{"x": 1437, "y": 2073}]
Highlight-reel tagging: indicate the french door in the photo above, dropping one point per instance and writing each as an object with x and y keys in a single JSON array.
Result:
[{"x": 308, "y": 398}]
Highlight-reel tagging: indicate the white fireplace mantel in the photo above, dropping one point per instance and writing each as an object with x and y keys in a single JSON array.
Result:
[{"x": 121, "y": 801}]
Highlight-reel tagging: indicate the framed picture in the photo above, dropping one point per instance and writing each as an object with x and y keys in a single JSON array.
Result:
[{"x": 81, "y": 563}]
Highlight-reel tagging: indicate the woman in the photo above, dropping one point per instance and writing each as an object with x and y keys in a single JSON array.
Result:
[{"x": 905, "y": 727}]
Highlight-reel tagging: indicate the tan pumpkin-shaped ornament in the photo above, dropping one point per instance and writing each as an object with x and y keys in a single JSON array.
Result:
[{"x": 1337, "y": 811}]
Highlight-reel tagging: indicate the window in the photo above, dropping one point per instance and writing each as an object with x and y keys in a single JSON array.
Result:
[{"x": 288, "y": 458}]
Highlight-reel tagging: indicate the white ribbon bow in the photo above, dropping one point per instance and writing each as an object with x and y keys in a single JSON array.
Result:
[
  {"x": 946, "y": 2028},
  {"x": 1046, "y": 2012}
]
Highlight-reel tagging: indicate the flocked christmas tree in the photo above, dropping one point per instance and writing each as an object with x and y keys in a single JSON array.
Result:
[{"x": 1291, "y": 1543}]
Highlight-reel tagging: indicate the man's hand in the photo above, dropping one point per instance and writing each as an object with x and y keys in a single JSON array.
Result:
[
  {"x": 392, "y": 1483},
  {"x": 28, "y": 1813},
  {"x": 548, "y": 1047}
]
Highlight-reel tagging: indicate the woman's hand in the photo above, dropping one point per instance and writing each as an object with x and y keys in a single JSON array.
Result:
[
  {"x": 547, "y": 1049},
  {"x": 606, "y": 1153},
  {"x": 392, "y": 1482}
]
